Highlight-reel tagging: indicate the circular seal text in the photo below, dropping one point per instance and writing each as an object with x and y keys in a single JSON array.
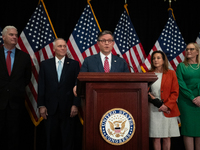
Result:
[{"x": 117, "y": 126}]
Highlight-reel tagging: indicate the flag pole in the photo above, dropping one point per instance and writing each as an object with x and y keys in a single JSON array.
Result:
[{"x": 125, "y": 1}]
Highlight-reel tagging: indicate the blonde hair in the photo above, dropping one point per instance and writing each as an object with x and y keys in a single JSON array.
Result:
[{"x": 197, "y": 58}]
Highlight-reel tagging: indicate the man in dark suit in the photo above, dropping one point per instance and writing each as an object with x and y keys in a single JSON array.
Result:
[
  {"x": 97, "y": 63},
  {"x": 56, "y": 101},
  {"x": 15, "y": 74}
]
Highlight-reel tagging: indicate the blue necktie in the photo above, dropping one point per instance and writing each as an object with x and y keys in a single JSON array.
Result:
[{"x": 59, "y": 69}]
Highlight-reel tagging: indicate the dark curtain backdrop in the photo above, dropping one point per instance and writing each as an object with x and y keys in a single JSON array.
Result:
[{"x": 148, "y": 17}]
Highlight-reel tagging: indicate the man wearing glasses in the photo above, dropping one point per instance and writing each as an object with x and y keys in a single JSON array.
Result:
[{"x": 104, "y": 61}]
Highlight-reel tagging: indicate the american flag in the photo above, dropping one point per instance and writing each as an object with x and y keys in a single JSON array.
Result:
[
  {"x": 1, "y": 40},
  {"x": 37, "y": 40},
  {"x": 198, "y": 40},
  {"x": 83, "y": 40},
  {"x": 127, "y": 43},
  {"x": 170, "y": 42}
]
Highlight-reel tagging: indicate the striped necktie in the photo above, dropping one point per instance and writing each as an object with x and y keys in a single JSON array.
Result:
[{"x": 106, "y": 65}]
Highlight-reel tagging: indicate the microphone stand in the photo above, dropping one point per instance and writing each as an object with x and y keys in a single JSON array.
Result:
[{"x": 126, "y": 62}]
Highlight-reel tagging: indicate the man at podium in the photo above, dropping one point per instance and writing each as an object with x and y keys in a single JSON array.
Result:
[{"x": 104, "y": 61}]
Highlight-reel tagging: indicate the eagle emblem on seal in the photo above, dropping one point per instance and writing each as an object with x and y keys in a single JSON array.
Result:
[{"x": 117, "y": 128}]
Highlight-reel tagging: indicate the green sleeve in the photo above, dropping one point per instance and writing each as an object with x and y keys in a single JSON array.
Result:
[{"x": 187, "y": 93}]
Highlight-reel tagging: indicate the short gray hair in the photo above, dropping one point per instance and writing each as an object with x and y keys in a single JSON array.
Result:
[
  {"x": 57, "y": 40},
  {"x": 6, "y": 29}
]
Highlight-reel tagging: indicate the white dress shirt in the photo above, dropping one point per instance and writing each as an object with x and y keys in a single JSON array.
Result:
[
  {"x": 62, "y": 62},
  {"x": 103, "y": 58}
]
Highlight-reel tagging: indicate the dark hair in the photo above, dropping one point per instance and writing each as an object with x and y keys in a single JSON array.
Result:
[
  {"x": 164, "y": 57},
  {"x": 104, "y": 33}
]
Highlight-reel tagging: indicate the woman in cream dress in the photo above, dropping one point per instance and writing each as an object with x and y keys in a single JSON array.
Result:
[{"x": 163, "y": 119}]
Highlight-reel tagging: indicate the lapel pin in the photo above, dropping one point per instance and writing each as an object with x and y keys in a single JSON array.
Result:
[
  {"x": 115, "y": 61},
  {"x": 68, "y": 63}
]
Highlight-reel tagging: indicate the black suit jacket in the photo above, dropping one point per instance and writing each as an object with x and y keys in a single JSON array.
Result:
[
  {"x": 52, "y": 93},
  {"x": 94, "y": 64},
  {"x": 12, "y": 88}
]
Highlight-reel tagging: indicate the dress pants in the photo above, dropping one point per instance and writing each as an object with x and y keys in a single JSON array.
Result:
[
  {"x": 59, "y": 131},
  {"x": 9, "y": 128}
]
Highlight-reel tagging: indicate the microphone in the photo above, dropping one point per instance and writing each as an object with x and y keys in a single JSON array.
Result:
[{"x": 126, "y": 62}]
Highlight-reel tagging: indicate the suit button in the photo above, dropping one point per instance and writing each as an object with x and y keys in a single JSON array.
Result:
[{"x": 7, "y": 90}]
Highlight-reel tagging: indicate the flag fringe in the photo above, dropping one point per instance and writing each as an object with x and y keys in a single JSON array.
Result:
[
  {"x": 32, "y": 117},
  {"x": 125, "y": 6},
  {"x": 172, "y": 12},
  {"x": 143, "y": 70},
  {"x": 80, "y": 118},
  {"x": 49, "y": 18},
  {"x": 88, "y": 1}
]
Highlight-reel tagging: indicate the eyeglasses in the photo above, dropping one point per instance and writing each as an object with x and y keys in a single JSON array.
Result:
[
  {"x": 191, "y": 49},
  {"x": 104, "y": 41}
]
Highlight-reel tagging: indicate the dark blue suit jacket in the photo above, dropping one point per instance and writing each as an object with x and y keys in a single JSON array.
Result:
[
  {"x": 94, "y": 64},
  {"x": 52, "y": 93}
]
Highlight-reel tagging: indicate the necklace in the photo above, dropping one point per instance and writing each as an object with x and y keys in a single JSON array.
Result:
[{"x": 194, "y": 68}]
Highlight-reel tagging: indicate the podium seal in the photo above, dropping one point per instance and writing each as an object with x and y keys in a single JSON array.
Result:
[{"x": 117, "y": 126}]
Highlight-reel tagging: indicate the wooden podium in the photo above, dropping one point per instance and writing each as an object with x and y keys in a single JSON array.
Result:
[{"x": 102, "y": 92}]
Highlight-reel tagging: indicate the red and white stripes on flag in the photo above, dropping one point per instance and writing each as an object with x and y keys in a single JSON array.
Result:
[
  {"x": 172, "y": 64},
  {"x": 83, "y": 40},
  {"x": 1, "y": 40},
  {"x": 170, "y": 42},
  {"x": 198, "y": 40},
  {"x": 37, "y": 40},
  {"x": 127, "y": 43}
]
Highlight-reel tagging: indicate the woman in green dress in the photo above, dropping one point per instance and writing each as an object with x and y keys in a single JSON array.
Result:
[{"x": 188, "y": 74}]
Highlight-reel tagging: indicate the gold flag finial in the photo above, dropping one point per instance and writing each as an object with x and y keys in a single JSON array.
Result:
[{"x": 170, "y": 3}]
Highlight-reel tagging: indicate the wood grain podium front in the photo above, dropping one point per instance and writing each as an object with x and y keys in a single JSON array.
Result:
[{"x": 102, "y": 92}]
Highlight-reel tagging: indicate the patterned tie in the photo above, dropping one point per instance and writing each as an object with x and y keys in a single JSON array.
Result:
[
  {"x": 106, "y": 65},
  {"x": 59, "y": 69},
  {"x": 8, "y": 62}
]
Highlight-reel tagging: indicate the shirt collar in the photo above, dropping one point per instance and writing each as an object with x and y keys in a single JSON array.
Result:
[
  {"x": 103, "y": 56},
  {"x": 56, "y": 59},
  {"x": 6, "y": 50}
]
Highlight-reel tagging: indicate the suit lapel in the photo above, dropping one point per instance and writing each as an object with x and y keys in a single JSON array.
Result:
[
  {"x": 64, "y": 69},
  {"x": 113, "y": 63},
  {"x": 164, "y": 79},
  {"x": 54, "y": 72},
  {"x": 16, "y": 61},
  {"x": 2, "y": 59},
  {"x": 99, "y": 63}
]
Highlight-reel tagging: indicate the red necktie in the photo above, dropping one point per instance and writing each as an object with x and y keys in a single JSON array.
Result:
[
  {"x": 8, "y": 62},
  {"x": 106, "y": 65}
]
